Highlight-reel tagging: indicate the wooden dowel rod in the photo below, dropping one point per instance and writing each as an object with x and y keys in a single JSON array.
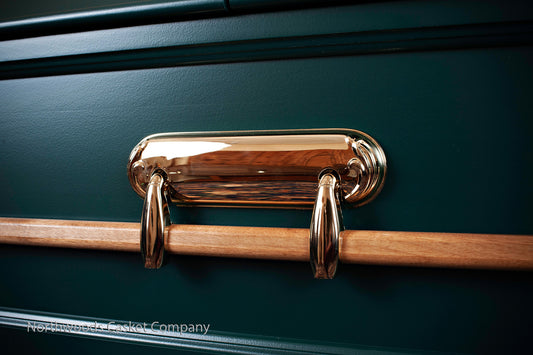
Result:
[{"x": 490, "y": 251}]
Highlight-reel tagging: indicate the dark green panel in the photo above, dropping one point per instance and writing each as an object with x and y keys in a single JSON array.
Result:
[
  {"x": 455, "y": 126},
  {"x": 79, "y": 19},
  {"x": 11, "y": 10},
  {"x": 253, "y": 5},
  {"x": 229, "y": 26},
  {"x": 447, "y": 121},
  {"x": 252, "y": 50},
  {"x": 439, "y": 119},
  {"x": 428, "y": 16},
  {"x": 35, "y": 343},
  {"x": 431, "y": 309}
]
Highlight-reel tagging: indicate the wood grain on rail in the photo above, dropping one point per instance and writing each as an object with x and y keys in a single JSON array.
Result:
[
  {"x": 489, "y": 251},
  {"x": 70, "y": 234}
]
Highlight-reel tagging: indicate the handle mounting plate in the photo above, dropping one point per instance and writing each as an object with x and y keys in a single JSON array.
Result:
[{"x": 259, "y": 168}]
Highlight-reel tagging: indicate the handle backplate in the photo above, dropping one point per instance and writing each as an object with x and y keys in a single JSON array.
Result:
[{"x": 259, "y": 168}]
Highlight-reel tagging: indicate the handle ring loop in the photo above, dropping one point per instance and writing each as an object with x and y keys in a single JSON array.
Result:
[
  {"x": 326, "y": 227},
  {"x": 155, "y": 218}
]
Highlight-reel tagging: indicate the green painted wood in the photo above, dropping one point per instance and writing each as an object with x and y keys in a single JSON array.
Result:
[
  {"x": 454, "y": 123},
  {"x": 175, "y": 336},
  {"x": 24, "y": 9},
  {"x": 153, "y": 12},
  {"x": 52, "y": 17},
  {"x": 272, "y": 26},
  {"x": 342, "y": 44},
  {"x": 255, "y": 5},
  {"x": 429, "y": 96},
  {"x": 19, "y": 342}
]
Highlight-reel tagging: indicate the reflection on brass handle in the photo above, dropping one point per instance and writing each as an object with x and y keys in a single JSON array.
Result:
[
  {"x": 155, "y": 217},
  {"x": 326, "y": 226},
  {"x": 257, "y": 168}
]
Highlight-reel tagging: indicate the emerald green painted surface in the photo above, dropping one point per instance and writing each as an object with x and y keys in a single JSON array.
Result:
[
  {"x": 59, "y": 10},
  {"x": 507, "y": 34},
  {"x": 258, "y": 22},
  {"x": 13, "y": 10},
  {"x": 455, "y": 126},
  {"x": 448, "y": 123},
  {"x": 22, "y": 343}
]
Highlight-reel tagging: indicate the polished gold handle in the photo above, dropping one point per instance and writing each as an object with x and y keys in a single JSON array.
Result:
[
  {"x": 257, "y": 168},
  {"x": 155, "y": 218}
]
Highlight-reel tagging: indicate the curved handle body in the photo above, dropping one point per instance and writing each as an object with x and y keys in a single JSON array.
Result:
[
  {"x": 326, "y": 226},
  {"x": 259, "y": 168}
]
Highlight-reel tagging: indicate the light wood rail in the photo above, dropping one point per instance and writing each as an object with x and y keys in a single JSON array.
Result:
[{"x": 424, "y": 249}]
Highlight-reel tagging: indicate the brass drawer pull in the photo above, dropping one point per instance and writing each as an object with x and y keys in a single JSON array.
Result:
[{"x": 257, "y": 168}]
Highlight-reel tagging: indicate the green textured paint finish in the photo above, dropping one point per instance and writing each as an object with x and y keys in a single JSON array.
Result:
[
  {"x": 437, "y": 116},
  {"x": 348, "y": 19},
  {"x": 41, "y": 343},
  {"x": 431, "y": 309},
  {"x": 12, "y": 10},
  {"x": 506, "y": 34},
  {"x": 254, "y": 5},
  {"x": 455, "y": 126},
  {"x": 440, "y": 118},
  {"x": 144, "y": 13}
]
